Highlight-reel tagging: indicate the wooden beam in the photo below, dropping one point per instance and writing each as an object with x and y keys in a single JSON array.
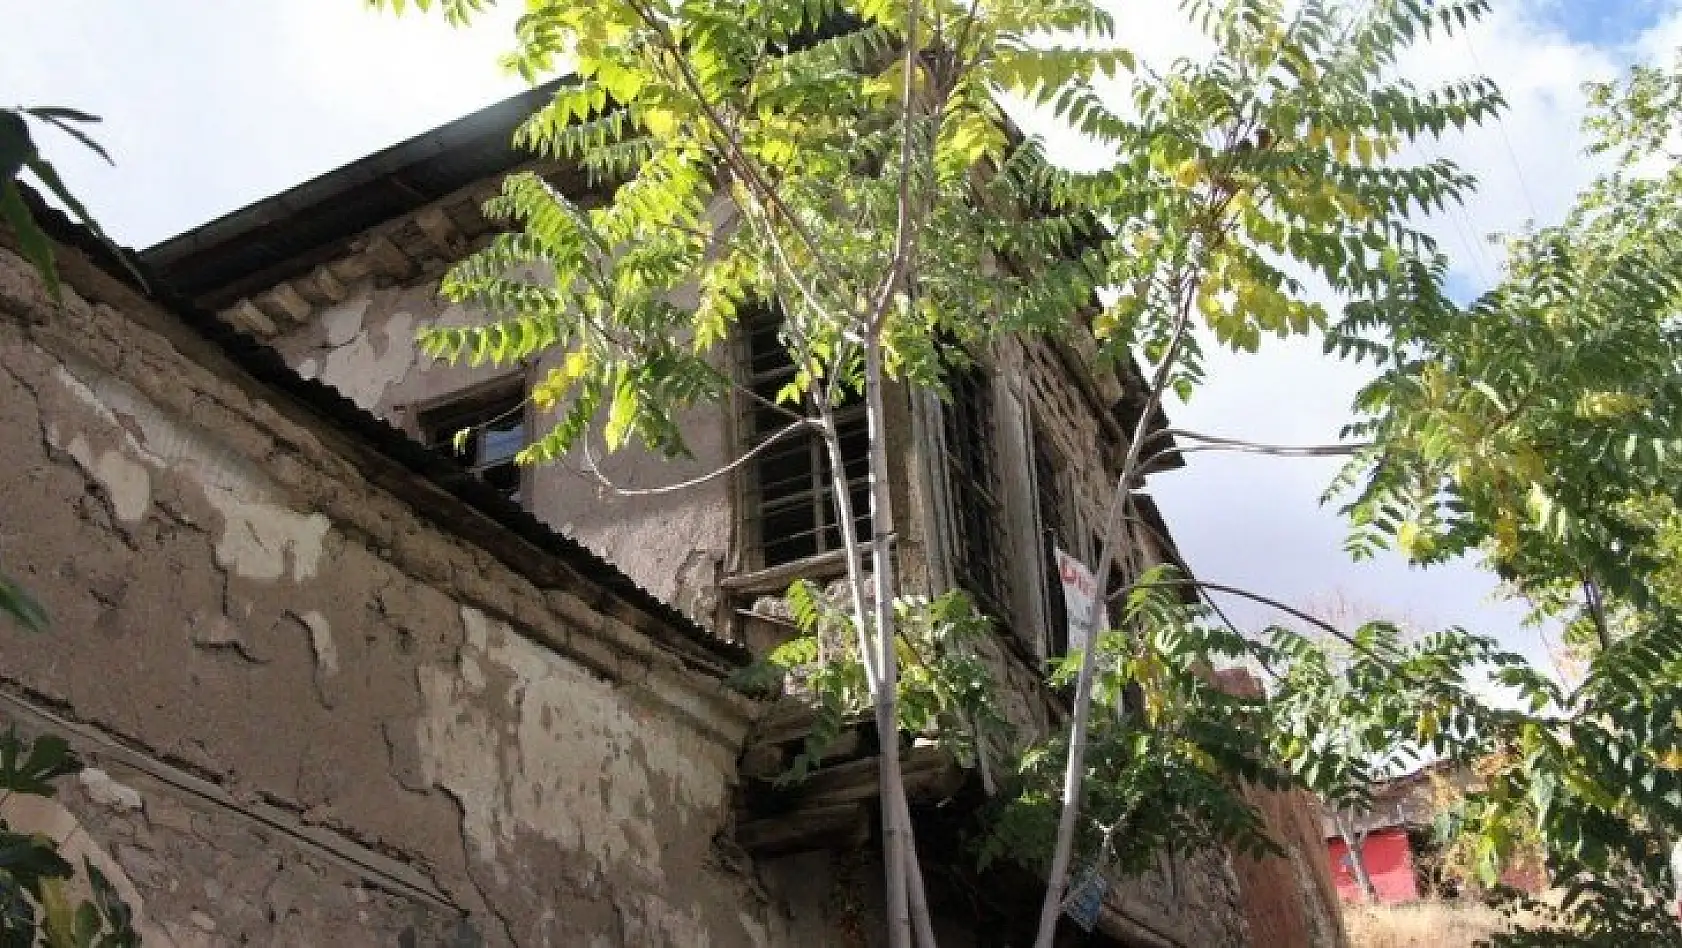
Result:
[
  {"x": 842, "y": 827},
  {"x": 285, "y": 305},
  {"x": 789, "y": 719},
  {"x": 776, "y": 579},
  {"x": 440, "y": 230},
  {"x": 386, "y": 259},
  {"x": 930, "y": 773},
  {"x": 349, "y": 270},
  {"x": 322, "y": 287},
  {"x": 246, "y": 317}
]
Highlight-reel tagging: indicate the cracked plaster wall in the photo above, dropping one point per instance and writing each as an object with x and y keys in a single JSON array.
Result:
[
  {"x": 232, "y": 598},
  {"x": 200, "y": 876},
  {"x": 673, "y": 545}
]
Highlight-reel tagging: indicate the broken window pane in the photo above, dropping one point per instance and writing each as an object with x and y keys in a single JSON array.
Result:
[{"x": 495, "y": 422}]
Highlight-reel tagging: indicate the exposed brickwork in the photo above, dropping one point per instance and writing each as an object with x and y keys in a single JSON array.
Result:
[{"x": 1288, "y": 900}]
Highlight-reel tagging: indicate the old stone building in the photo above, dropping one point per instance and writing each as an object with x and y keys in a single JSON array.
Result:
[{"x": 336, "y": 686}]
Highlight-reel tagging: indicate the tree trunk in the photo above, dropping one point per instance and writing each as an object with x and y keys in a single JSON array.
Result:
[
  {"x": 907, "y": 900},
  {"x": 898, "y": 849},
  {"x": 1354, "y": 842},
  {"x": 1057, "y": 880},
  {"x": 1074, "y": 771}
]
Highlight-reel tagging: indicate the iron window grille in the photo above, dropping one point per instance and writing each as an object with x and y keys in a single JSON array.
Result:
[
  {"x": 972, "y": 473},
  {"x": 790, "y": 508},
  {"x": 1054, "y": 533}
]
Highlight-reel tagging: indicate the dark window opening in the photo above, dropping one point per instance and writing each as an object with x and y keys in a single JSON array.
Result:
[
  {"x": 495, "y": 422},
  {"x": 791, "y": 493},
  {"x": 1053, "y": 531},
  {"x": 972, "y": 471}
]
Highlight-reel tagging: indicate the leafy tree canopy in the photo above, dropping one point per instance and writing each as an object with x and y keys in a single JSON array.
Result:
[{"x": 848, "y": 165}]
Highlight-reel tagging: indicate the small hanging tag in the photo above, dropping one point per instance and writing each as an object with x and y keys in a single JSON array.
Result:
[{"x": 1084, "y": 902}]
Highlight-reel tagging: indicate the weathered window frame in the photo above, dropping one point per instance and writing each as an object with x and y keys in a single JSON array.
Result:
[
  {"x": 971, "y": 462},
  {"x": 477, "y": 407},
  {"x": 797, "y": 522},
  {"x": 1051, "y": 517}
]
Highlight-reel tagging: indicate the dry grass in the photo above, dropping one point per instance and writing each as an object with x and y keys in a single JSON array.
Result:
[{"x": 1428, "y": 924}]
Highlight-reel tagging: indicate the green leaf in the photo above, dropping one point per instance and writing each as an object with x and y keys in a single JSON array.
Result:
[
  {"x": 60, "y": 118},
  {"x": 16, "y": 148},
  {"x": 48, "y": 758},
  {"x": 621, "y": 414},
  {"x": 49, "y": 177},
  {"x": 32, "y": 241},
  {"x": 16, "y": 602}
]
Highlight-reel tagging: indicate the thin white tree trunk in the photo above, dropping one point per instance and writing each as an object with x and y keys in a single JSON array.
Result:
[
  {"x": 1057, "y": 879},
  {"x": 905, "y": 899},
  {"x": 845, "y": 520},
  {"x": 917, "y": 899},
  {"x": 1355, "y": 843},
  {"x": 896, "y": 816},
  {"x": 1075, "y": 768},
  {"x": 894, "y": 830}
]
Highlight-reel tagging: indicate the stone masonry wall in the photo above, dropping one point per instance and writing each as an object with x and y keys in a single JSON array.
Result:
[
  {"x": 316, "y": 718},
  {"x": 1192, "y": 901}
]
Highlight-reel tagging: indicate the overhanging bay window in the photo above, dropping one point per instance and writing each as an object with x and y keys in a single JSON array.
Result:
[{"x": 790, "y": 492}]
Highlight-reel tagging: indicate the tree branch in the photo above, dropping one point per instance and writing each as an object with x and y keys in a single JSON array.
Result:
[
  {"x": 1251, "y": 447},
  {"x": 732, "y": 153},
  {"x": 903, "y": 229},
  {"x": 591, "y": 468},
  {"x": 1057, "y": 881}
]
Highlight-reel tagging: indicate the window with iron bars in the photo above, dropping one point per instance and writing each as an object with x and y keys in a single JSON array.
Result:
[
  {"x": 495, "y": 421},
  {"x": 972, "y": 473},
  {"x": 1054, "y": 533},
  {"x": 790, "y": 492}
]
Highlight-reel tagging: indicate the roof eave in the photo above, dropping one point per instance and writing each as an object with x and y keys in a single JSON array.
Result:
[{"x": 219, "y": 260}]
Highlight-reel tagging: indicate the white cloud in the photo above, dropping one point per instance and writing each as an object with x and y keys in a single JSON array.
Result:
[
  {"x": 1254, "y": 521},
  {"x": 208, "y": 107}
]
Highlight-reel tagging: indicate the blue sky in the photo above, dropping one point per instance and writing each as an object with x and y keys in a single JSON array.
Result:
[
  {"x": 1604, "y": 22},
  {"x": 211, "y": 106}
]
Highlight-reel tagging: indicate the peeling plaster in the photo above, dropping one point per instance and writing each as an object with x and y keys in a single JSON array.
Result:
[
  {"x": 105, "y": 791},
  {"x": 530, "y": 743},
  {"x": 363, "y": 372},
  {"x": 590, "y": 785},
  {"x": 126, "y": 482},
  {"x": 656, "y": 922},
  {"x": 342, "y": 322},
  {"x": 321, "y": 640},
  {"x": 260, "y": 539}
]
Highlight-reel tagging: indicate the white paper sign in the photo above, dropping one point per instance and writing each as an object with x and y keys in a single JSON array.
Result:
[{"x": 1079, "y": 587}]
